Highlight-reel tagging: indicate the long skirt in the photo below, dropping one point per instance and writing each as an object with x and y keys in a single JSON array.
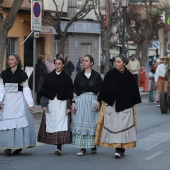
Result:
[
  {"x": 116, "y": 129},
  {"x": 62, "y": 137},
  {"x": 84, "y": 121},
  {"x": 19, "y": 138}
]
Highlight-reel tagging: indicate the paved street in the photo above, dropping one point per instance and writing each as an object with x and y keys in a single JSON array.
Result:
[{"x": 152, "y": 151}]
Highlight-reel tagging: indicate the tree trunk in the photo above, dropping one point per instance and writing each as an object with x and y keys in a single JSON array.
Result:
[
  {"x": 138, "y": 51},
  {"x": 62, "y": 44},
  {"x": 6, "y": 25},
  {"x": 3, "y": 44},
  {"x": 144, "y": 53},
  {"x": 107, "y": 54}
]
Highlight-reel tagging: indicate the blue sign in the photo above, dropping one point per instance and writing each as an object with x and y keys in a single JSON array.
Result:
[
  {"x": 36, "y": 15},
  {"x": 155, "y": 44},
  {"x": 36, "y": 9}
]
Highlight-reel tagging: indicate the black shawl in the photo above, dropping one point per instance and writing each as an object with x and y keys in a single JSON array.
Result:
[
  {"x": 19, "y": 76},
  {"x": 120, "y": 88},
  {"x": 83, "y": 84},
  {"x": 57, "y": 85}
]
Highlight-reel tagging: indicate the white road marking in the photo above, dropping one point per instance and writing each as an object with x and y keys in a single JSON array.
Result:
[
  {"x": 153, "y": 140},
  {"x": 153, "y": 156}
]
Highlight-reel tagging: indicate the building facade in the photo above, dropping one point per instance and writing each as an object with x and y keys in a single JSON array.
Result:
[{"x": 83, "y": 37}]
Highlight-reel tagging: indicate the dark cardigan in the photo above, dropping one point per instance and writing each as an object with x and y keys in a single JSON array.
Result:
[
  {"x": 120, "y": 88},
  {"x": 57, "y": 85}
]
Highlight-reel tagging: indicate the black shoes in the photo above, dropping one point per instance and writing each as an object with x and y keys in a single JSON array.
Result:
[
  {"x": 119, "y": 153},
  {"x": 17, "y": 151},
  {"x": 8, "y": 152},
  {"x": 93, "y": 150}
]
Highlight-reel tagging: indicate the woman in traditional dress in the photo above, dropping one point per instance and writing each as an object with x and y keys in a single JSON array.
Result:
[
  {"x": 117, "y": 124},
  {"x": 57, "y": 93},
  {"x": 85, "y": 108},
  {"x": 16, "y": 122}
]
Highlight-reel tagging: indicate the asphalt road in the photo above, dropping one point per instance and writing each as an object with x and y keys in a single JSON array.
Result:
[{"x": 152, "y": 151}]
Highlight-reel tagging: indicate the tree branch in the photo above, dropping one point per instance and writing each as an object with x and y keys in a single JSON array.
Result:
[{"x": 10, "y": 19}]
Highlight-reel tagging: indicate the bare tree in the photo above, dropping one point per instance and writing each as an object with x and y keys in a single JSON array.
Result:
[
  {"x": 143, "y": 28},
  {"x": 108, "y": 16},
  {"x": 54, "y": 19},
  {"x": 5, "y": 25}
]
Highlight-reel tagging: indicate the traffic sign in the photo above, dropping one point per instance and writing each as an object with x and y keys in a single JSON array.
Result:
[
  {"x": 155, "y": 44},
  {"x": 36, "y": 34},
  {"x": 36, "y": 15}
]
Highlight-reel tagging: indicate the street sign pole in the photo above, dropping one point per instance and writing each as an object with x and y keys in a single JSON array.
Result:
[
  {"x": 36, "y": 35},
  {"x": 36, "y": 24},
  {"x": 34, "y": 62}
]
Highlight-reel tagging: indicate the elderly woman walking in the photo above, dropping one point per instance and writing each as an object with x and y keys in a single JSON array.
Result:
[{"x": 117, "y": 121}]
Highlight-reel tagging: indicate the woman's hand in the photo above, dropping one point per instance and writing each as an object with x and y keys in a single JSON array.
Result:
[
  {"x": 44, "y": 109},
  {"x": 73, "y": 107},
  {"x": 67, "y": 111},
  {"x": 0, "y": 104},
  {"x": 97, "y": 105},
  {"x": 31, "y": 109}
]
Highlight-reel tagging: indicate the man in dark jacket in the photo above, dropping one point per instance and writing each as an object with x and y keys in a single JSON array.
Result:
[
  {"x": 68, "y": 66},
  {"x": 40, "y": 74}
]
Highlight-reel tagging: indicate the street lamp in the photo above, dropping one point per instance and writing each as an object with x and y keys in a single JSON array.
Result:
[{"x": 124, "y": 6}]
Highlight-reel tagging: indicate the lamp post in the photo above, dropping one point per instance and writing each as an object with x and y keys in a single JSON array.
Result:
[{"x": 124, "y": 6}]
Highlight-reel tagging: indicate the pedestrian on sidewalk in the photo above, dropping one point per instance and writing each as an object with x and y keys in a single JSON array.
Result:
[
  {"x": 16, "y": 105},
  {"x": 160, "y": 76},
  {"x": 49, "y": 63},
  {"x": 153, "y": 96},
  {"x": 79, "y": 66},
  {"x": 57, "y": 93},
  {"x": 68, "y": 66},
  {"x": 85, "y": 108},
  {"x": 133, "y": 66},
  {"x": 116, "y": 126},
  {"x": 40, "y": 75}
]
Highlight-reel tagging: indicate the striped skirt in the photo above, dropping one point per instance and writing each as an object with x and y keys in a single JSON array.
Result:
[
  {"x": 84, "y": 121},
  {"x": 63, "y": 137}
]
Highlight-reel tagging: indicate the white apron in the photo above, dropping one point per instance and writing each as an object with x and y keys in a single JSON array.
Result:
[
  {"x": 12, "y": 114},
  {"x": 56, "y": 119}
]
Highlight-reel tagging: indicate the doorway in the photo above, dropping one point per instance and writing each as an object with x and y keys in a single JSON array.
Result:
[{"x": 28, "y": 50}]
